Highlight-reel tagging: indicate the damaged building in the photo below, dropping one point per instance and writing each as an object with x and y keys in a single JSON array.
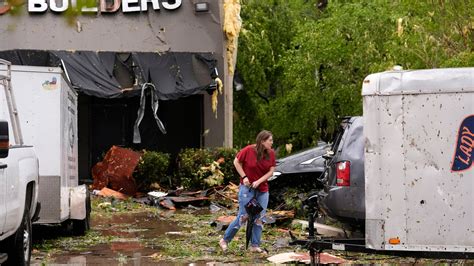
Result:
[{"x": 153, "y": 74}]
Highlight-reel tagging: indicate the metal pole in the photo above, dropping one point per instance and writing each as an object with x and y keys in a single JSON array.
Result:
[
  {"x": 312, "y": 205},
  {"x": 15, "y": 121}
]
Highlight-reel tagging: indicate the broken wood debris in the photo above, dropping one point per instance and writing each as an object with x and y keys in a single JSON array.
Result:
[{"x": 168, "y": 201}]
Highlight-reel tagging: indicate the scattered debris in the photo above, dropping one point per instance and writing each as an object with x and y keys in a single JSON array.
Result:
[
  {"x": 115, "y": 171},
  {"x": 187, "y": 199},
  {"x": 178, "y": 198},
  {"x": 324, "y": 230},
  {"x": 107, "y": 192},
  {"x": 177, "y": 233},
  {"x": 214, "y": 207},
  {"x": 228, "y": 196},
  {"x": 324, "y": 258},
  {"x": 279, "y": 217},
  {"x": 281, "y": 243},
  {"x": 222, "y": 222},
  {"x": 157, "y": 194},
  {"x": 167, "y": 203}
]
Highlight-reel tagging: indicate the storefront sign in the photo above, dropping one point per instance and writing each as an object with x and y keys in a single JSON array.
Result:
[{"x": 104, "y": 6}]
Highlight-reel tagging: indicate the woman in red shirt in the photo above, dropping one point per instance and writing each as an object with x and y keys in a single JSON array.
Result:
[{"x": 255, "y": 164}]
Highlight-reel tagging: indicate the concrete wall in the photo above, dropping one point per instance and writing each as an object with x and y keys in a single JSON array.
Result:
[{"x": 179, "y": 30}]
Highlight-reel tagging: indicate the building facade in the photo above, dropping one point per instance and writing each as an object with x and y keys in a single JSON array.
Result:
[{"x": 176, "y": 51}]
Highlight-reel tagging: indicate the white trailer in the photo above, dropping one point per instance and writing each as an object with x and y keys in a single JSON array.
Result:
[
  {"x": 419, "y": 183},
  {"x": 419, "y": 179},
  {"x": 47, "y": 110}
]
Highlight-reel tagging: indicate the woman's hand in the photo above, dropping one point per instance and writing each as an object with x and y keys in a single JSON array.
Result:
[
  {"x": 255, "y": 184},
  {"x": 246, "y": 182}
]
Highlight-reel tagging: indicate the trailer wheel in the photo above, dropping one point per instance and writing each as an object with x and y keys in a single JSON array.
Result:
[
  {"x": 20, "y": 244},
  {"x": 80, "y": 227}
]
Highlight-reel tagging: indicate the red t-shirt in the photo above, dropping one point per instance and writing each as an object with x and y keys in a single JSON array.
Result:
[{"x": 255, "y": 169}]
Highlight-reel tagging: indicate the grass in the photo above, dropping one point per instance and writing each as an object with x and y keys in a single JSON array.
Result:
[{"x": 195, "y": 240}]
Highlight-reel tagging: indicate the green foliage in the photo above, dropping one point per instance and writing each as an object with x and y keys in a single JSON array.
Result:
[
  {"x": 152, "y": 168},
  {"x": 268, "y": 28},
  {"x": 188, "y": 170},
  {"x": 302, "y": 67},
  {"x": 203, "y": 168},
  {"x": 323, "y": 73}
]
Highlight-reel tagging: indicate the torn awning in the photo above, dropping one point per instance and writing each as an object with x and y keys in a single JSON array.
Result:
[{"x": 174, "y": 74}]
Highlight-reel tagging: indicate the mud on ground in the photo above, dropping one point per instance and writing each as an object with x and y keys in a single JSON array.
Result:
[{"x": 130, "y": 233}]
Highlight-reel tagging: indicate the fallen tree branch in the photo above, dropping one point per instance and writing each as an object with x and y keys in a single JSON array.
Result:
[{"x": 225, "y": 196}]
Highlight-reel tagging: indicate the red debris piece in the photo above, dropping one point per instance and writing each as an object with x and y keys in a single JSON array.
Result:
[
  {"x": 282, "y": 230},
  {"x": 225, "y": 219},
  {"x": 168, "y": 204},
  {"x": 222, "y": 222},
  {"x": 107, "y": 192},
  {"x": 115, "y": 171}
]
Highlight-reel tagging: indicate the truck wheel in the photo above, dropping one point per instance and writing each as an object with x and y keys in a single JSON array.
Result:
[
  {"x": 80, "y": 227},
  {"x": 20, "y": 244}
]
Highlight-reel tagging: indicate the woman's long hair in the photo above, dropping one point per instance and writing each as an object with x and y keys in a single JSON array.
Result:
[{"x": 261, "y": 151}]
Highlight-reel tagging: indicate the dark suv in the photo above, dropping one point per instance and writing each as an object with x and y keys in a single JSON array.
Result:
[
  {"x": 343, "y": 196},
  {"x": 299, "y": 172}
]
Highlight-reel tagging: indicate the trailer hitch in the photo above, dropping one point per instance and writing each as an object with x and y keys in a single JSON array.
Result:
[
  {"x": 311, "y": 205},
  {"x": 315, "y": 243}
]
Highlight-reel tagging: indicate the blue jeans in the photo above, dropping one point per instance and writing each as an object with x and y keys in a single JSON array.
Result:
[{"x": 245, "y": 195}]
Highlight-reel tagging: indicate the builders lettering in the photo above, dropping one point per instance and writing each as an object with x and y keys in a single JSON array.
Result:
[
  {"x": 104, "y": 6},
  {"x": 464, "y": 145}
]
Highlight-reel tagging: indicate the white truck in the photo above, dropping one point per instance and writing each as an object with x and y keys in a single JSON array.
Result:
[
  {"x": 18, "y": 186},
  {"x": 47, "y": 119}
]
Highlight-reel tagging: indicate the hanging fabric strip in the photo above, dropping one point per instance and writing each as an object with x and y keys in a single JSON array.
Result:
[{"x": 141, "y": 112}]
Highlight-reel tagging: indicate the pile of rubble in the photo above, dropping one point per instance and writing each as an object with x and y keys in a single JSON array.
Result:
[{"x": 113, "y": 177}]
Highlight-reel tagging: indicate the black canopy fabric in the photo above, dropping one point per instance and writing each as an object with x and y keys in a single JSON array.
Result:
[
  {"x": 173, "y": 74},
  {"x": 89, "y": 74}
]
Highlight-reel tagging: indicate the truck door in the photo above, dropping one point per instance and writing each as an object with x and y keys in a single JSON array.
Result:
[{"x": 3, "y": 191}]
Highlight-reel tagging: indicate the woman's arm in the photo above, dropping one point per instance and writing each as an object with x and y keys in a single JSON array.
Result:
[
  {"x": 263, "y": 178},
  {"x": 240, "y": 170}
]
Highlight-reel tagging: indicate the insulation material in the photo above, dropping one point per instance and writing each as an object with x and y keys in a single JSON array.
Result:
[
  {"x": 215, "y": 94},
  {"x": 232, "y": 26}
]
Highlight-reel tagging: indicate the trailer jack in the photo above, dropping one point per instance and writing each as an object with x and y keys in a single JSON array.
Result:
[{"x": 316, "y": 244}]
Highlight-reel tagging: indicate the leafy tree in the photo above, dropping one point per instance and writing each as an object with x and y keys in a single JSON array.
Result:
[
  {"x": 303, "y": 67},
  {"x": 268, "y": 29}
]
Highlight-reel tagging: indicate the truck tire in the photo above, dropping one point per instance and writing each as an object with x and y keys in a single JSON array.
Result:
[
  {"x": 20, "y": 244},
  {"x": 80, "y": 227}
]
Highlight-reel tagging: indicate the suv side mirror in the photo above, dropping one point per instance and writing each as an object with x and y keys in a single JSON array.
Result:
[{"x": 4, "y": 139}]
